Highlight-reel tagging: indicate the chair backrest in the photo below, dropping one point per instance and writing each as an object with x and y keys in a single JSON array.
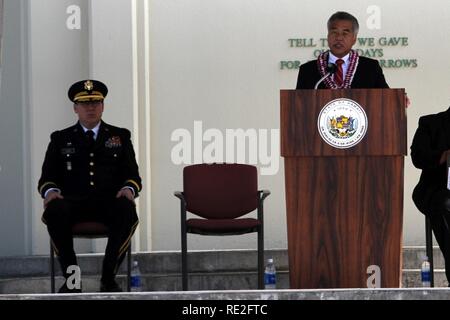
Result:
[{"x": 220, "y": 191}]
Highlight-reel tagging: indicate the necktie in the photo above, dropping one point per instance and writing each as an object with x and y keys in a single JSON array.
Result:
[
  {"x": 90, "y": 138},
  {"x": 338, "y": 76}
]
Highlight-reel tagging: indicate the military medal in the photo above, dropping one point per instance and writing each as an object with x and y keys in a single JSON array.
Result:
[
  {"x": 69, "y": 165},
  {"x": 113, "y": 142}
]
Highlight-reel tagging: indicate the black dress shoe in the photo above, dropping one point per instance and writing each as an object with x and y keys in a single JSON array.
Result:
[
  {"x": 65, "y": 289},
  {"x": 110, "y": 286}
]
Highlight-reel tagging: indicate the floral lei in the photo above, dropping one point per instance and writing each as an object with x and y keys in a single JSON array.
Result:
[{"x": 322, "y": 63}]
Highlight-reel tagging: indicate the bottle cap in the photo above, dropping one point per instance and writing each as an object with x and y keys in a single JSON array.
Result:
[{"x": 424, "y": 257}]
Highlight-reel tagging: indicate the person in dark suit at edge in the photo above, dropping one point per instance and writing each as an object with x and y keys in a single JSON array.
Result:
[
  {"x": 356, "y": 71},
  {"x": 429, "y": 151},
  {"x": 90, "y": 174}
]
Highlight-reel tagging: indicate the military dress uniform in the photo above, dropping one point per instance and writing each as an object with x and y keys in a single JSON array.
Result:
[{"x": 89, "y": 174}]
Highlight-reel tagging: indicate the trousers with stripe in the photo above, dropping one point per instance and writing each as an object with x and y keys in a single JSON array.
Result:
[{"x": 118, "y": 214}]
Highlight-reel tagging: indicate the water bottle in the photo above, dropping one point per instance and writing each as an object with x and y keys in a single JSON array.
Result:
[
  {"x": 425, "y": 273},
  {"x": 136, "y": 283},
  {"x": 270, "y": 275}
]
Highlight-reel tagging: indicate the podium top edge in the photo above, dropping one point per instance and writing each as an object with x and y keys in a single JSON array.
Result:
[{"x": 350, "y": 89}]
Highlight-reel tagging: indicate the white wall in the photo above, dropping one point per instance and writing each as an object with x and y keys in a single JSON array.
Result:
[
  {"x": 15, "y": 226},
  {"x": 58, "y": 57},
  {"x": 116, "y": 34},
  {"x": 215, "y": 61}
]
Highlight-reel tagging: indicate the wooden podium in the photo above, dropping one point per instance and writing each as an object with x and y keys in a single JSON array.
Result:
[{"x": 344, "y": 206}]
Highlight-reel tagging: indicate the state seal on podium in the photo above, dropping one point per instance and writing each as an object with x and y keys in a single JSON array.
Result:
[{"x": 342, "y": 123}]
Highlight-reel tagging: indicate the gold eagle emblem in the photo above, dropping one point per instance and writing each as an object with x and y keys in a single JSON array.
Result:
[{"x": 88, "y": 85}]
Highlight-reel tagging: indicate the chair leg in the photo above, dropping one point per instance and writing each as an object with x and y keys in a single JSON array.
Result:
[
  {"x": 52, "y": 268},
  {"x": 260, "y": 258},
  {"x": 184, "y": 271},
  {"x": 429, "y": 247},
  {"x": 129, "y": 268}
]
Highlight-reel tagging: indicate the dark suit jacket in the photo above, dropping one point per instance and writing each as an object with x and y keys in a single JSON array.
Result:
[
  {"x": 368, "y": 75},
  {"x": 100, "y": 171},
  {"x": 431, "y": 139}
]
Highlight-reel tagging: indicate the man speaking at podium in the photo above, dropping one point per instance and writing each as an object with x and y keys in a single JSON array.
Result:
[{"x": 341, "y": 67}]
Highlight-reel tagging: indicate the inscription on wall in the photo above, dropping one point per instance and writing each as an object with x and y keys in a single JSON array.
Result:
[{"x": 368, "y": 47}]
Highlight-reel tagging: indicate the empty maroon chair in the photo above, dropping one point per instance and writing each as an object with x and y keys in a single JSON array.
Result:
[{"x": 220, "y": 194}]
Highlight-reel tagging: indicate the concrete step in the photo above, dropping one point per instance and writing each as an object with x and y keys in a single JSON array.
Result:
[
  {"x": 209, "y": 270},
  {"x": 413, "y": 256},
  {"x": 170, "y": 262},
  {"x": 197, "y": 282},
  {"x": 172, "y": 303}
]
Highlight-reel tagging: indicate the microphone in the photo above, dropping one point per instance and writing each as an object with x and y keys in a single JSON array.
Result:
[{"x": 330, "y": 69}]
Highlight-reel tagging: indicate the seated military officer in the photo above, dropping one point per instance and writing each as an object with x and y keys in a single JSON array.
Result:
[{"x": 90, "y": 174}]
